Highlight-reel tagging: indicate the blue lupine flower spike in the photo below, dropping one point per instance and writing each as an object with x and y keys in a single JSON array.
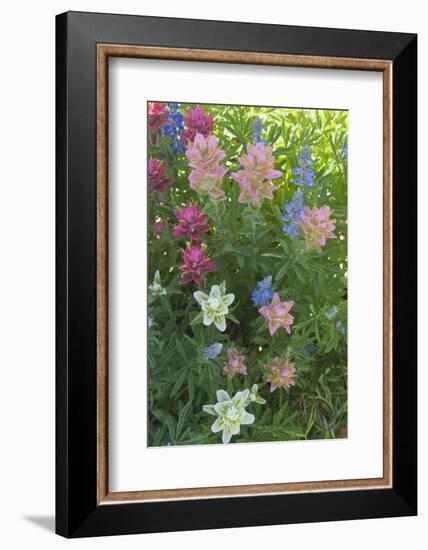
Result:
[
  {"x": 293, "y": 214},
  {"x": 256, "y": 136},
  {"x": 304, "y": 173},
  {"x": 173, "y": 128}
]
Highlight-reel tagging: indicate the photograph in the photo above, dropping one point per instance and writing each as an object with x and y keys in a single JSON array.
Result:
[{"x": 247, "y": 273}]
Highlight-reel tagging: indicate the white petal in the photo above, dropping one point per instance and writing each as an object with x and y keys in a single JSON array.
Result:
[
  {"x": 222, "y": 396},
  {"x": 227, "y": 434},
  {"x": 222, "y": 310},
  {"x": 228, "y": 299},
  {"x": 208, "y": 318},
  {"x": 234, "y": 428},
  {"x": 209, "y": 409},
  {"x": 220, "y": 322},
  {"x": 215, "y": 291},
  {"x": 241, "y": 397},
  {"x": 217, "y": 426},
  {"x": 247, "y": 418},
  {"x": 200, "y": 297}
]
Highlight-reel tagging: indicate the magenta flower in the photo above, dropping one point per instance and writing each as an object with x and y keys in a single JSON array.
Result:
[
  {"x": 195, "y": 265},
  {"x": 196, "y": 121},
  {"x": 158, "y": 228},
  {"x": 207, "y": 173},
  {"x": 280, "y": 374},
  {"x": 277, "y": 314},
  {"x": 235, "y": 363},
  {"x": 156, "y": 176},
  {"x": 191, "y": 222},
  {"x": 316, "y": 226},
  {"x": 156, "y": 116},
  {"x": 255, "y": 179}
]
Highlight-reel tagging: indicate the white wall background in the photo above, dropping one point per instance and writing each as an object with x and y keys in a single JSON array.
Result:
[{"x": 27, "y": 273}]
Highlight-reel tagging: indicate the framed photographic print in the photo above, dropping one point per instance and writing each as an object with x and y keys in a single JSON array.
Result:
[{"x": 236, "y": 274}]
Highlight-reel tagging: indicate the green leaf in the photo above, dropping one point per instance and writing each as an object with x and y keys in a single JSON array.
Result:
[
  {"x": 179, "y": 382},
  {"x": 182, "y": 418},
  {"x": 281, "y": 273},
  {"x": 197, "y": 319}
]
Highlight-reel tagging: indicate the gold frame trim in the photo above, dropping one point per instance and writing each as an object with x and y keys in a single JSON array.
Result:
[{"x": 104, "y": 51}]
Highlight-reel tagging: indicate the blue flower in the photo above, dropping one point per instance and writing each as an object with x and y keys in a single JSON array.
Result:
[
  {"x": 293, "y": 214},
  {"x": 345, "y": 152},
  {"x": 256, "y": 136},
  {"x": 174, "y": 127},
  {"x": 149, "y": 322},
  {"x": 331, "y": 313},
  {"x": 291, "y": 229},
  {"x": 304, "y": 174},
  {"x": 212, "y": 351},
  {"x": 340, "y": 327},
  {"x": 310, "y": 348},
  {"x": 262, "y": 295}
]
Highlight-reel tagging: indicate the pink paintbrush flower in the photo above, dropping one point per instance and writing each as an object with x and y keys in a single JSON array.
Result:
[
  {"x": 280, "y": 374},
  {"x": 191, "y": 222},
  {"x": 235, "y": 363},
  {"x": 316, "y": 226},
  {"x": 156, "y": 116},
  {"x": 277, "y": 314},
  {"x": 195, "y": 265},
  {"x": 158, "y": 228},
  {"x": 157, "y": 181},
  {"x": 255, "y": 179},
  {"x": 207, "y": 173},
  {"x": 196, "y": 121}
]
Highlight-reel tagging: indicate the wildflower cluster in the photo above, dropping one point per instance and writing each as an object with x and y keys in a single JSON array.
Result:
[
  {"x": 262, "y": 294},
  {"x": 256, "y": 136},
  {"x": 195, "y": 265},
  {"x": 196, "y": 122},
  {"x": 277, "y": 314},
  {"x": 157, "y": 116},
  {"x": 293, "y": 216},
  {"x": 256, "y": 177},
  {"x": 212, "y": 351},
  {"x": 205, "y": 156},
  {"x": 317, "y": 226},
  {"x": 304, "y": 173},
  {"x": 174, "y": 128},
  {"x": 215, "y": 305},
  {"x": 157, "y": 179},
  {"x": 191, "y": 222},
  {"x": 247, "y": 274},
  {"x": 231, "y": 412},
  {"x": 235, "y": 363},
  {"x": 280, "y": 374}
]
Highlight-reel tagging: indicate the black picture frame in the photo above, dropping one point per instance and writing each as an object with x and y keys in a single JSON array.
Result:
[{"x": 77, "y": 511}]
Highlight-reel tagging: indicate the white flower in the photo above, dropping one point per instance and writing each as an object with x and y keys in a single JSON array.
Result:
[
  {"x": 253, "y": 397},
  {"x": 215, "y": 306},
  {"x": 156, "y": 287},
  {"x": 230, "y": 412}
]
